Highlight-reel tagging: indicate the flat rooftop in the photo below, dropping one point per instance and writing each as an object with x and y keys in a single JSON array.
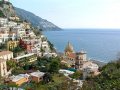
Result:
[{"x": 26, "y": 55}]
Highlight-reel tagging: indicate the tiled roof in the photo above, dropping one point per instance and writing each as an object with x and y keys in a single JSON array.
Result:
[{"x": 71, "y": 55}]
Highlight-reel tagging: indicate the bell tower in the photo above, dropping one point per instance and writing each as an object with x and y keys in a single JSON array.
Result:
[
  {"x": 82, "y": 56},
  {"x": 80, "y": 59}
]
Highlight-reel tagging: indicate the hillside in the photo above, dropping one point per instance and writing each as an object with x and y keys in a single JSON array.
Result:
[
  {"x": 35, "y": 20},
  {"x": 109, "y": 79},
  {"x": 8, "y": 10}
]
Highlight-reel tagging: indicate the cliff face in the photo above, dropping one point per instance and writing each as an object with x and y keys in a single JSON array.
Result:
[
  {"x": 7, "y": 9},
  {"x": 35, "y": 20}
]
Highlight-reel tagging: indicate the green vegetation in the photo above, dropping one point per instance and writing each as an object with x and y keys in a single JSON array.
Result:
[
  {"x": 109, "y": 79},
  {"x": 17, "y": 50},
  {"x": 37, "y": 31},
  {"x": 11, "y": 64},
  {"x": 48, "y": 64},
  {"x": 1, "y": 3},
  {"x": 57, "y": 83},
  {"x": 1, "y": 14},
  {"x": 51, "y": 46},
  {"x": 3, "y": 46},
  {"x": 54, "y": 66},
  {"x": 76, "y": 75}
]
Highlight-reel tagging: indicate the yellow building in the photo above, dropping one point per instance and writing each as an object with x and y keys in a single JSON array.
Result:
[
  {"x": 14, "y": 18},
  {"x": 19, "y": 79},
  {"x": 12, "y": 44},
  {"x": 26, "y": 25}
]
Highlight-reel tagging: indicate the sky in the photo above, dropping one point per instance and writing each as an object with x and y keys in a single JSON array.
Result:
[{"x": 75, "y": 13}]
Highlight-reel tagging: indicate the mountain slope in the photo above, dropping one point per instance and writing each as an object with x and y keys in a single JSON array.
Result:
[{"x": 35, "y": 20}]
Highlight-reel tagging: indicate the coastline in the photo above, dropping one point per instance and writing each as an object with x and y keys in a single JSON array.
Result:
[{"x": 99, "y": 63}]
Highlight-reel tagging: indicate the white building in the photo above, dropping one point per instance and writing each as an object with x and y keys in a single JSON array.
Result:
[
  {"x": 3, "y": 68},
  {"x": 31, "y": 57},
  {"x": 66, "y": 72},
  {"x": 19, "y": 31},
  {"x": 3, "y": 21},
  {"x": 3, "y": 29},
  {"x": 19, "y": 79},
  {"x": 12, "y": 35},
  {"x": 12, "y": 24},
  {"x": 90, "y": 68},
  {"x": 4, "y": 36},
  {"x": 48, "y": 54},
  {"x": 45, "y": 46},
  {"x": 6, "y": 55}
]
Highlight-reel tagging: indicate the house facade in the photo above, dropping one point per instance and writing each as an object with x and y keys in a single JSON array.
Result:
[
  {"x": 12, "y": 44},
  {"x": 6, "y": 55},
  {"x": 3, "y": 68},
  {"x": 37, "y": 76},
  {"x": 19, "y": 79}
]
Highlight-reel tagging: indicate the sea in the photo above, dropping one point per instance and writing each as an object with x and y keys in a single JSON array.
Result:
[{"x": 100, "y": 44}]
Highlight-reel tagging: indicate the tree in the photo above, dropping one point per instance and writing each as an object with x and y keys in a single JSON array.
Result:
[
  {"x": 47, "y": 78},
  {"x": 17, "y": 50},
  {"x": 1, "y": 14},
  {"x": 3, "y": 46},
  {"x": 54, "y": 66},
  {"x": 11, "y": 64},
  {"x": 76, "y": 75},
  {"x": 51, "y": 46}
]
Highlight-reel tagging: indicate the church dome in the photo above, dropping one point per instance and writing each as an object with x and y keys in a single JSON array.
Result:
[{"x": 69, "y": 48}]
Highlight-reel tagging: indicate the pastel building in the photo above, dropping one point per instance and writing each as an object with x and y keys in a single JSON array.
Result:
[
  {"x": 79, "y": 61},
  {"x": 6, "y": 55},
  {"x": 4, "y": 36},
  {"x": 37, "y": 76},
  {"x": 89, "y": 69},
  {"x": 3, "y": 21},
  {"x": 3, "y": 68},
  {"x": 31, "y": 45},
  {"x": 12, "y": 44},
  {"x": 13, "y": 18},
  {"x": 19, "y": 79},
  {"x": 19, "y": 31},
  {"x": 12, "y": 24}
]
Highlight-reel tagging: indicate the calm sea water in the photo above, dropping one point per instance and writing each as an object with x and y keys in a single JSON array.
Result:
[{"x": 102, "y": 45}]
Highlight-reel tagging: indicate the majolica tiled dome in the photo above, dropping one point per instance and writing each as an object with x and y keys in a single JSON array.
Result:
[{"x": 69, "y": 48}]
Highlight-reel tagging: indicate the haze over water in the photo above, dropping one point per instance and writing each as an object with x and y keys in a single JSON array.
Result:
[{"x": 103, "y": 45}]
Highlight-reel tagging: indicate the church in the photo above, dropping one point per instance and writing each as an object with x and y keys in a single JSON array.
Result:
[{"x": 78, "y": 60}]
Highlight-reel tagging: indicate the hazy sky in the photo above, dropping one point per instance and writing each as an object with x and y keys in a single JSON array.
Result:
[{"x": 75, "y": 13}]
